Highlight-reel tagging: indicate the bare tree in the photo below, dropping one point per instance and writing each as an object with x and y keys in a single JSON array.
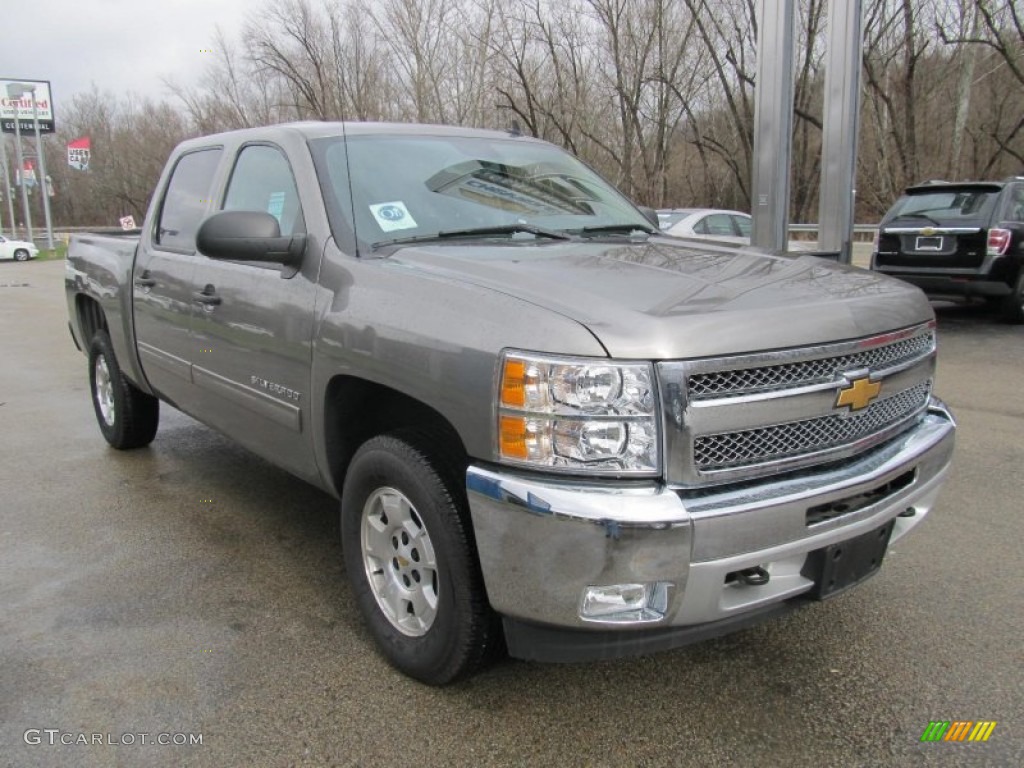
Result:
[
  {"x": 656, "y": 94},
  {"x": 131, "y": 139}
]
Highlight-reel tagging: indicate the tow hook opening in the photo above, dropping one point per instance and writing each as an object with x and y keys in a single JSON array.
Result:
[{"x": 750, "y": 577}]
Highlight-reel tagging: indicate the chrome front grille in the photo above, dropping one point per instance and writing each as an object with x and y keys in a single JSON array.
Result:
[
  {"x": 780, "y": 441},
  {"x": 736, "y": 418},
  {"x": 806, "y": 372}
]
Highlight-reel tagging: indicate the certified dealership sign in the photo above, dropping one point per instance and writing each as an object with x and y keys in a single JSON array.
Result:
[{"x": 21, "y": 108}]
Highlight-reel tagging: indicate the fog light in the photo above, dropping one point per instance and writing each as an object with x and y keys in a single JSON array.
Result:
[{"x": 625, "y": 603}]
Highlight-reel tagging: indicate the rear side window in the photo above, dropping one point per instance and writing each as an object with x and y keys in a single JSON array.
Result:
[
  {"x": 185, "y": 201},
  {"x": 1015, "y": 203},
  {"x": 263, "y": 181},
  {"x": 716, "y": 224}
]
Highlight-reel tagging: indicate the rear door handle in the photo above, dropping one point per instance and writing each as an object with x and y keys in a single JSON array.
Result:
[{"x": 208, "y": 296}]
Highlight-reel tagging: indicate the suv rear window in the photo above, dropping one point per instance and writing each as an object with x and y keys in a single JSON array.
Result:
[{"x": 946, "y": 206}]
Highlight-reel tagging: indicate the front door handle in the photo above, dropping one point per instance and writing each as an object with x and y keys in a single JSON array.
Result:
[
  {"x": 144, "y": 280},
  {"x": 207, "y": 297}
]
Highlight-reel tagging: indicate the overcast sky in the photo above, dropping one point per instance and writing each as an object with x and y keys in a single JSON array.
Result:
[{"x": 120, "y": 45}]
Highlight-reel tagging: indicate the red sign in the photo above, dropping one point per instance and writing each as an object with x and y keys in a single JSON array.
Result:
[{"x": 78, "y": 153}]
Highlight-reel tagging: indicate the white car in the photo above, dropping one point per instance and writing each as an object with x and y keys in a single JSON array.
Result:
[
  {"x": 715, "y": 224},
  {"x": 728, "y": 226},
  {"x": 19, "y": 250}
]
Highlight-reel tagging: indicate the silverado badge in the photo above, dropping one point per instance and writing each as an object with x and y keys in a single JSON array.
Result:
[{"x": 859, "y": 394}]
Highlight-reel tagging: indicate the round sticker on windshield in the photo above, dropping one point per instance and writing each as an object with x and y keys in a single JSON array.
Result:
[{"x": 392, "y": 216}]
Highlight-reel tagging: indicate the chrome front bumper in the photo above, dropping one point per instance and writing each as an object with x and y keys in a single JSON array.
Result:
[{"x": 543, "y": 542}]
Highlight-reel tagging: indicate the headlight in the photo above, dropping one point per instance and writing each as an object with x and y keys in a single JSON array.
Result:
[{"x": 577, "y": 415}]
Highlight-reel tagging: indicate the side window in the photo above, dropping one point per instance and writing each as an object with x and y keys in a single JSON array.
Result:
[
  {"x": 719, "y": 224},
  {"x": 184, "y": 205},
  {"x": 262, "y": 181},
  {"x": 743, "y": 224},
  {"x": 1015, "y": 203}
]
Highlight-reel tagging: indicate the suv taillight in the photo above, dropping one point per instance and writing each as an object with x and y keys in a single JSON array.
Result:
[{"x": 998, "y": 241}]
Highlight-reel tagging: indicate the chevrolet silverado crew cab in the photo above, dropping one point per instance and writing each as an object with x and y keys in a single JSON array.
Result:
[
  {"x": 551, "y": 428},
  {"x": 962, "y": 239}
]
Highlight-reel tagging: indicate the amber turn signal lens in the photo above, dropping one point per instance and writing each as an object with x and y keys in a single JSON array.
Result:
[
  {"x": 513, "y": 384},
  {"x": 513, "y": 437}
]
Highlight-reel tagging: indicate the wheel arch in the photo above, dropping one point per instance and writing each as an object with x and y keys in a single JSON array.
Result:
[
  {"x": 91, "y": 318},
  {"x": 357, "y": 409}
]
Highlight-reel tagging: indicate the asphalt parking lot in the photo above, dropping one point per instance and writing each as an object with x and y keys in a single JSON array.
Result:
[{"x": 190, "y": 588}]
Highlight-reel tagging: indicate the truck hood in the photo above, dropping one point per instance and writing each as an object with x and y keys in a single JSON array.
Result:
[{"x": 660, "y": 300}]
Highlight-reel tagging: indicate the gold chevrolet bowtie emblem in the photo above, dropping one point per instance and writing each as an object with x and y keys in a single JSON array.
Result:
[
  {"x": 859, "y": 394},
  {"x": 928, "y": 231}
]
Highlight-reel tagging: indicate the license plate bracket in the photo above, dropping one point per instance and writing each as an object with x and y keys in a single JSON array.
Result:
[
  {"x": 838, "y": 567},
  {"x": 928, "y": 243}
]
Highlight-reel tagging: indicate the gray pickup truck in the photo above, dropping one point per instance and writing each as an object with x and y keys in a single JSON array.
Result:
[{"x": 551, "y": 428}]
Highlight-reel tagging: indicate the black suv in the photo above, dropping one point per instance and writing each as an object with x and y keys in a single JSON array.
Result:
[{"x": 958, "y": 239}]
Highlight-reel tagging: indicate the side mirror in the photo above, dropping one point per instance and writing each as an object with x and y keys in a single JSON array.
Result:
[
  {"x": 651, "y": 215},
  {"x": 250, "y": 236}
]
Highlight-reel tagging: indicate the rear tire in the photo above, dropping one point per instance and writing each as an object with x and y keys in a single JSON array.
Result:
[
  {"x": 21, "y": 255},
  {"x": 411, "y": 560},
  {"x": 127, "y": 416},
  {"x": 1012, "y": 310}
]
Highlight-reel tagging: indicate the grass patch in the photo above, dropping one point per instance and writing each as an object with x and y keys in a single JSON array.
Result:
[{"x": 57, "y": 253}]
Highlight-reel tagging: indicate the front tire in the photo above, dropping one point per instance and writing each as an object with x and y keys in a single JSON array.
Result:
[
  {"x": 21, "y": 255},
  {"x": 1013, "y": 305},
  {"x": 127, "y": 416},
  {"x": 411, "y": 560}
]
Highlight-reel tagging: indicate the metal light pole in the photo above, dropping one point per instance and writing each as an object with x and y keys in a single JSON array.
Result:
[
  {"x": 43, "y": 191},
  {"x": 7, "y": 188},
  {"x": 14, "y": 91}
]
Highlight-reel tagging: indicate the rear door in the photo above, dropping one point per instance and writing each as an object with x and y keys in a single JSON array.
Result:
[
  {"x": 253, "y": 325},
  {"x": 162, "y": 277},
  {"x": 940, "y": 228}
]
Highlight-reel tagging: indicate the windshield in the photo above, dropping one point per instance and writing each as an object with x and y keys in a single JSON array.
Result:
[
  {"x": 946, "y": 206},
  {"x": 418, "y": 186}
]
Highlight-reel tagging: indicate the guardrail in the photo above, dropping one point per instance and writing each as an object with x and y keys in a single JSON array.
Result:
[
  {"x": 863, "y": 233},
  {"x": 60, "y": 234}
]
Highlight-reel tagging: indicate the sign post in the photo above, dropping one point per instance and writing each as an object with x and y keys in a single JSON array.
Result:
[
  {"x": 7, "y": 186},
  {"x": 25, "y": 210},
  {"x": 43, "y": 191}
]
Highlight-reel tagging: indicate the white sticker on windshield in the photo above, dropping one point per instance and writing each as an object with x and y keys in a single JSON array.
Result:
[{"x": 392, "y": 216}]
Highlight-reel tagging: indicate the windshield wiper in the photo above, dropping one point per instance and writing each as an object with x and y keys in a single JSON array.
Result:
[
  {"x": 919, "y": 216},
  {"x": 614, "y": 229},
  {"x": 503, "y": 229}
]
